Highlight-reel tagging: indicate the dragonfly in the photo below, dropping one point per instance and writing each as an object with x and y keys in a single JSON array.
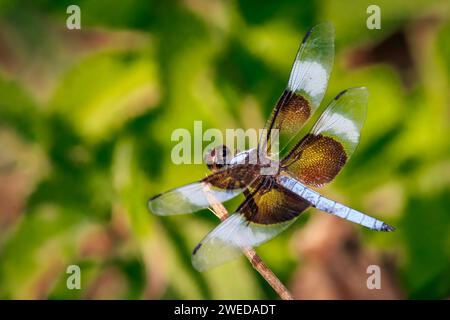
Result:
[{"x": 273, "y": 202}]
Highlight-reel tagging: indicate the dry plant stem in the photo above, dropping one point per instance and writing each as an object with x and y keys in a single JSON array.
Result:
[{"x": 222, "y": 213}]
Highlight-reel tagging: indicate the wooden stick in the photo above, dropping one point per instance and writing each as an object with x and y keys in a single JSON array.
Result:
[{"x": 221, "y": 212}]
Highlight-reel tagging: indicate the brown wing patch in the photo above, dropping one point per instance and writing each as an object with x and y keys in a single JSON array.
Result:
[
  {"x": 294, "y": 112},
  {"x": 233, "y": 177},
  {"x": 270, "y": 203},
  {"x": 290, "y": 114},
  {"x": 317, "y": 160}
]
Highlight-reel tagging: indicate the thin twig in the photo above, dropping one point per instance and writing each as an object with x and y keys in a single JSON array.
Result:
[{"x": 221, "y": 212}]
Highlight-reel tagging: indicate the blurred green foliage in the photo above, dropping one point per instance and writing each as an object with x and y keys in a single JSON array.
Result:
[{"x": 86, "y": 118}]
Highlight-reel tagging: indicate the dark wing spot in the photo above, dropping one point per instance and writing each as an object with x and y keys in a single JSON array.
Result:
[
  {"x": 340, "y": 94},
  {"x": 306, "y": 36},
  {"x": 149, "y": 202},
  {"x": 196, "y": 248},
  {"x": 155, "y": 197}
]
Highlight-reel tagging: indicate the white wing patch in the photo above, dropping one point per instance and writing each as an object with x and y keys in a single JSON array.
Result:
[
  {"x": 341, "y": 126},
  {"x": 309, "y": 76}
]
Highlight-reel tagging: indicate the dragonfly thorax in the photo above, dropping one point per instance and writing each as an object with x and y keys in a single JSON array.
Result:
[
  {"x": 267, "y": 165},
  {"x": 220, "y": 157}
]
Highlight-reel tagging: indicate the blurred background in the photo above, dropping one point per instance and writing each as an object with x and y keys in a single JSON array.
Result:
[{"x": 86, "y": 118}]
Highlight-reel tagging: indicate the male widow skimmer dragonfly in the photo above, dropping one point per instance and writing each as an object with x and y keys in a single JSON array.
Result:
[{"x": 274, "y": 201}]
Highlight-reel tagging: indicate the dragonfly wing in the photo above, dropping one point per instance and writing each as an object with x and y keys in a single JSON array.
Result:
[
  {"x": 306, "y": 87},
  {"x": 226, "y": 242},
  {"x": 262, "y": 216},
  {"x": 321, "y": 154},
  {"x": 189, "y": 198},
  {"x": 218, "y": 187}
]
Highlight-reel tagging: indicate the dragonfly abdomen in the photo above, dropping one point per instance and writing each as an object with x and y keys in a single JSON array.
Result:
[{"x": 332, "y": 207}]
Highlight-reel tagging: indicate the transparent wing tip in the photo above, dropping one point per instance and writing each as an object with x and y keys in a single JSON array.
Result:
[
  {"x": 360, "y": 92},
  {"x": 151, "y": 204},
  {"x": 161, "y": 207},
  {"x": 203, "y": 259},
  {"x": 221, "y": 245},
  {"x": 197, "y": 262},
  {"x": 322, "y": 29},
  {"x": 326, "y": 25}
]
